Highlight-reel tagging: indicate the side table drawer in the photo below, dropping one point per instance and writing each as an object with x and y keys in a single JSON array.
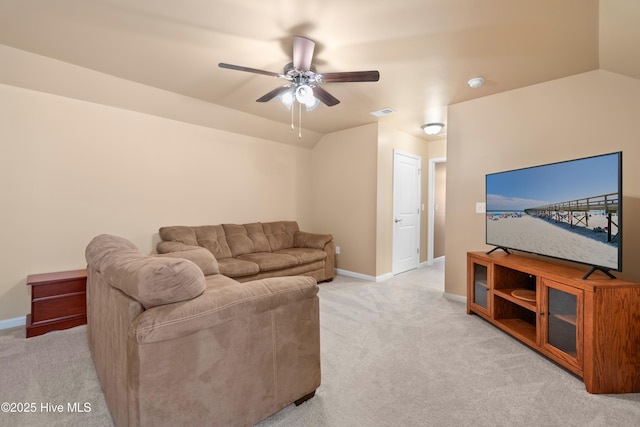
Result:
[
  {"x": 58, "y": 306},
  {"x": 60, "y": 288}
]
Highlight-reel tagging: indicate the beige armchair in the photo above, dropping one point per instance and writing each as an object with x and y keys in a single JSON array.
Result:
[{"x": 172, "y": 347}]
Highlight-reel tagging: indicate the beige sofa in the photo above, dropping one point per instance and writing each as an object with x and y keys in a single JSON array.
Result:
[
  {"x": 258, "y": 250},
  {"x": 173, "y": 347}
]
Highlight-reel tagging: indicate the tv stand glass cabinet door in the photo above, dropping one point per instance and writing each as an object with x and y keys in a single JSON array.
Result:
[
  {"x": 480, "y": 285},
  {"x": 561, "y": 321}
]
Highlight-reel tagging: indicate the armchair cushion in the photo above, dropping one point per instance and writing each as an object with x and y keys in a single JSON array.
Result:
[
  {"x": 153, "y": 281},
  {"x": 105, "y": 244},
  {"x": 223, "y": 301}
]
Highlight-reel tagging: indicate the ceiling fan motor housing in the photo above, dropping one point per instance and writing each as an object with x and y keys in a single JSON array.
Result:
[{"x": 305, "y": 81}]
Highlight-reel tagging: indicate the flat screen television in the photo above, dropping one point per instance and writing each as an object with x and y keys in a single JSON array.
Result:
[{"x": 569, "y": 210}]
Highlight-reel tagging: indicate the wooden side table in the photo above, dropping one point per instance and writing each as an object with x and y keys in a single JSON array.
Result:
[{"x": 58, "y": 301}]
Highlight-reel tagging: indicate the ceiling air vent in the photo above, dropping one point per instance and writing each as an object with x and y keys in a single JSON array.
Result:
[{"x": 383, "y": 112}]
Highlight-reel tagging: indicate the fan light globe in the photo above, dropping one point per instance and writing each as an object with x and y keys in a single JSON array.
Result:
[
  {"x": 304, "y": 94},
  {"x": 287, "y": 99}
]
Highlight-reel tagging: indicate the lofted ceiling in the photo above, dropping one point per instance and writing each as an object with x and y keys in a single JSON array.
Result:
[{"x": 425, "y": 50}]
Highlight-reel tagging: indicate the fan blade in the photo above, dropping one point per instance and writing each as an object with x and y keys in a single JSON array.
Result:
[
  {"x": 269, "y": 96},
  {"x": 324, "y": 96},
  {"x": 302, "y": 53},
  {"x": 249, "y": 70},
  {"x": 351, "y": 76}
]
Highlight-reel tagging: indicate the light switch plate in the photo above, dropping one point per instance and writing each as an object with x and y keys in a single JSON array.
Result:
[{"x": 481, "y": 207}]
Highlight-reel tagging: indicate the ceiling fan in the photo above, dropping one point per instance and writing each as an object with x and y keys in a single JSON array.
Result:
[{"x": 304, "y": 81}]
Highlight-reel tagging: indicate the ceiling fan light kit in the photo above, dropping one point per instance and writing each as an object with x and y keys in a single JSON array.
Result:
[
  {"x": 433, "y": 128},
  {"x": 304, "y": 95},
  {"x": 304, "y": 81}
]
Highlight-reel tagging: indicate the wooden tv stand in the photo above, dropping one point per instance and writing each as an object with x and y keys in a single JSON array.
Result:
[{"x": 590, "y": 327}]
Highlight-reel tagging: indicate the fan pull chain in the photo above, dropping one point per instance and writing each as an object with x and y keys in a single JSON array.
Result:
[
  {"x": 292, "y": 126},
  {"x": 299, "y": 120}
]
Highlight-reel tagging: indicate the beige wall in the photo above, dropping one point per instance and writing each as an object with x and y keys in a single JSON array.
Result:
[
  {"x": 438, "y": 150},
  {"x": 344, "y": 195},
  {"x": 587, "y": 114},
  {"x": 72, "y": 169},
  {"x": 440, "y": 201}
]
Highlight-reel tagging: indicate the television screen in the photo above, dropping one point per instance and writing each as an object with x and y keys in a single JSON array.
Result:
[{"x": 568, "y": 210}]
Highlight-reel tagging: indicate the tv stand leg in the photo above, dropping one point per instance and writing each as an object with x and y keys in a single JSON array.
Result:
[
  {"x": 592, "y": 269},
  {"x": 499, "y": 247}
]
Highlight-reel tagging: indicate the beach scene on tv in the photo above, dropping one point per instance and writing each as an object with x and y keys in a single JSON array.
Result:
[{"x": 567, "y": 210}]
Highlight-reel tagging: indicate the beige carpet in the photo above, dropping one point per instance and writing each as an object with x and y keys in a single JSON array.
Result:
[{"x": 394, "y": 353}]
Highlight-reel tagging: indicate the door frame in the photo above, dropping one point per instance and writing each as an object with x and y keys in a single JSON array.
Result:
[
  {"x": 393, "y": 202},
  {"x": 432, "y": 206}
]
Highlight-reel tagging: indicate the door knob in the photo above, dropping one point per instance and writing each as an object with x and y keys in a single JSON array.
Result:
[{"x": 397, "y": 220}]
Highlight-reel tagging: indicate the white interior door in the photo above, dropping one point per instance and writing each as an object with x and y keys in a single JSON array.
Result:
[{"x": 406, "y": 211}]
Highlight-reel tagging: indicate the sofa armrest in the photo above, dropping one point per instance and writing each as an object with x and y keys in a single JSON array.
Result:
[
  {"x": 219, "y": 305},
  {"x": 202, "y": 257},
  {"x": 302, "y": 239}
]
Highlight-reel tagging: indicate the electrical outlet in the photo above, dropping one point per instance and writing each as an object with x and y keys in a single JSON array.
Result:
[{"x": 337, "y": 250}]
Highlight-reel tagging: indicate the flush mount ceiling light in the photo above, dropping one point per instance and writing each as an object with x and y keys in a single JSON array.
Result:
[
  {"x": 476, "y": 82},
  {"x": 433, "y": 128}
]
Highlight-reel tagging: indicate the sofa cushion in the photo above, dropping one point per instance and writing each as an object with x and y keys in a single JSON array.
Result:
[
  {"x": 234, "y": 267},
  {"x": 202, "y": 257},
  {"x": 304, "y": 255},
  {"x": 153, "y": 281},
  {"x": 210, "y": 237},
  {"x": 268, "y": 261},
  {"x": 280, "y": 234},
  {"x": 213, "y": 238},
  {"x": 246, "y": 238},
  {"x": 179, "y": 233},
  {"x": 255, "y": 231}
]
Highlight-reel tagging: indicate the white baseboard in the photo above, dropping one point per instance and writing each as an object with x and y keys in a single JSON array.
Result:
[
  {"x": 364, "y": 276},
  {"x": 454, "y": 297},
  {"x": 13, "y": 323}
]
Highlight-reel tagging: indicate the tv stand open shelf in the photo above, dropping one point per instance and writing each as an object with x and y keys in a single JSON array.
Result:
[{"x": 590, "y": 327}]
